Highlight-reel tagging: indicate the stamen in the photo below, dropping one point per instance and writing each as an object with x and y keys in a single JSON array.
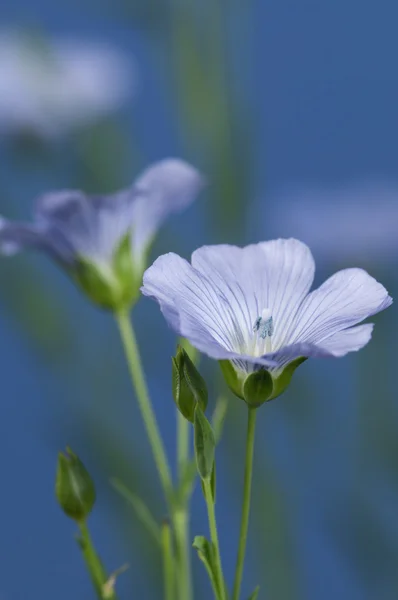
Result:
[{"x": 264, "y": 324}]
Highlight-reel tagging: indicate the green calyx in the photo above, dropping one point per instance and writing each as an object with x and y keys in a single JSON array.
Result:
[
  {"x": 114, "y": 286},
  {"x": 74, "y": 487},
  {"x": 260, "y": 386},
  {"x": 189, "y": 387}
]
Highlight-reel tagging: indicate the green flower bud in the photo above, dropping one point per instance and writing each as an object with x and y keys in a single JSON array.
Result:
[
  {"x": 189, "y": 387},
  {"x": 112, "y": 286},
  {"x": 259, "y": 386},
  {"x": 74, "y": 487}
]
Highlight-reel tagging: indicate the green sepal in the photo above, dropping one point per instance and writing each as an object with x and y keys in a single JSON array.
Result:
[
  {"x": 98, "y": 285},
  {"x": 204, "y": 444},
  {"x": 283, "y": 380},
  {"x": 189, "y": 387},
  {"x": 254, "y": 595},
  {"x": 127, "y": 275},
  {"x": 74, "y": 487},
  {"x": 112, "y": 286},
  {"x": 232, "y": 378},
  {"x": 258, "y": 388},
  {"x": 205, "y": 553}
]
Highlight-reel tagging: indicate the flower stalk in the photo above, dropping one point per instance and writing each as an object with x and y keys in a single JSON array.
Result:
[
  {"x": 137, "y": 375},
  {"x": 168, "y": 566},
  {"x": 94, "y": 565},
  {"x": 251, "y": 427},
  {"x": 214, "y": 539},
  {"x": 179, "y": 516}
]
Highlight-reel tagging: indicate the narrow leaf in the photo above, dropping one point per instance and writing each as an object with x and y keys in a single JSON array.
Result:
[
  {"x": 140, "y": 509},
  {"x": 212, "y": 484},
  {"x": 205, "y": 553},
  {"x": 218, "y": 417},
  {"x": 254, "y": 595},
  {"x": 204, "y": 443},
  {"x": 190, "y": 472}
]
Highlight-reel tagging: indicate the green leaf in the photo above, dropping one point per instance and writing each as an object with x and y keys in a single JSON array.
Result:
[
  {"x": 140, "y": 508},
  {"x": 205, "y": 553},
  {"x": 254, "y": 595},
  {"x": 189, "y": 387},
  {"x": 212, "y": 484},
  {"x": 74, "y": 487},
  {"x": 190, "y": 471},
  {"x": 204, "y": 444},
  {"x": 231, "y": 376},
  {"x": 257, "y": 388},
  {"x": 218, "y": 417}
]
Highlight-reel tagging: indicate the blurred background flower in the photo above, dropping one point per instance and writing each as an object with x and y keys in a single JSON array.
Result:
[
  {"x": 356, "y": 223},
  {"x": 49, "y": 87},
  {"x": 260, "y": 97}
]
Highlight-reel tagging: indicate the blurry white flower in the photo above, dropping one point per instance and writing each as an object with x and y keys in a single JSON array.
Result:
[
  {"x": 50, "y": 87},
  {"x": 358, "y": 221}
]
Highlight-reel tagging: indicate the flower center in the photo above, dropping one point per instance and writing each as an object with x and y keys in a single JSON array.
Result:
[{"x": 264, "y": 327}]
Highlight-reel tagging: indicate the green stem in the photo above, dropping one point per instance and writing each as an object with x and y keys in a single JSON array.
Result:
[
  {"x": 214, "y": 538},
  {"x": 181, "y": 530},
  {"x": 251, "y": 426},
  {"x": 168, "y": 566},
  {"x": 137, "y": 375},
  {"x": 93, "y": 562},
  {"x": 181, "y": 518}
]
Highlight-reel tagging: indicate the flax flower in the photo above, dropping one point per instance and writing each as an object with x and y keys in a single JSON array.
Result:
[
  {"x": 102, "y": 241},
  {"x": 51, "y": 87},
  {"x": 252, "y": 308}
]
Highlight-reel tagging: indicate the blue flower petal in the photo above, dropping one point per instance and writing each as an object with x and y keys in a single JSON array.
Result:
[
  {"x": 164, "y": 188},
  {"x": 15, "y": 237},
  {"x": 337, "y": 345},
  {"x": 216, "y": 301},
  {"x": 195, "y": 310},
  {"x": 345, "y": 299},
  {"x": 276, "y": 275}
]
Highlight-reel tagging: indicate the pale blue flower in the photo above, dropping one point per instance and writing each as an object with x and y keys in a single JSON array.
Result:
[
  {"x": 110, "y": 234},
  {"x": 253, "y": 305},
  {"x": 352, "y": 222},
  {"x": 52, "y": 86}
]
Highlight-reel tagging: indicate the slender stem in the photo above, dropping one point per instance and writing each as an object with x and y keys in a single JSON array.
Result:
[
  {"x": 137, "y": 375},
  {"x": 181, "y": 520},
  {"x": 168, "y": 566},
  {"x": 181, "y": 530},
  {"x": 214, "y": 538},
  {"x": 251, "y": 426},
  {"x": 94, "y": 565}
]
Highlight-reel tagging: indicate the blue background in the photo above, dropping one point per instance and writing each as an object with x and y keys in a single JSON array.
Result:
[{"x": 294, "y": 94}]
